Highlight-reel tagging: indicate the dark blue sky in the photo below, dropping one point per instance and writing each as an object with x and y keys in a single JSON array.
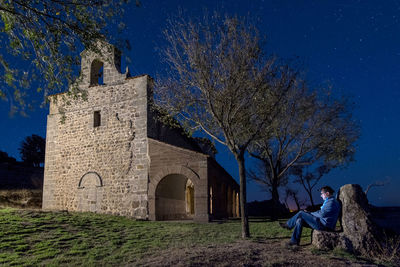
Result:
[{"x": 353, "y": 45}]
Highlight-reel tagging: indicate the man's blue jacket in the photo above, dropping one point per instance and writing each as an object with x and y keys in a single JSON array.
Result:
[{"x": 329, "y": 212}]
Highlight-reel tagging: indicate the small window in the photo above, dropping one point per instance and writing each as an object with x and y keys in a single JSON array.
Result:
[{"x": 96, "y": 119}]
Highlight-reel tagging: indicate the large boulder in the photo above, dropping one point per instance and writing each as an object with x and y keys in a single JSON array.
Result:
[{"x": 359, "y": 233}]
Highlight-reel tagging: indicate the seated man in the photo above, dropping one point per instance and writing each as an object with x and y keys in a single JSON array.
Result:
[{"x": 323, "y": 219}]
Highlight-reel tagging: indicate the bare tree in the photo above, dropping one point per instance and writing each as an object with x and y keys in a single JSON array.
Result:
[
  {"x": 291, "y": 193},
  {"x": 219, "y": 83},
  {"x": 309, "y": 178},
  {"x": 377, "y": 183},
  {"x": 311, "y": 126},
  {"x": 260, "y": 174}
]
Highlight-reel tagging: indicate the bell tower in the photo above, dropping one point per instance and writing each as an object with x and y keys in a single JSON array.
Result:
[{"x": 101, "y": 66}]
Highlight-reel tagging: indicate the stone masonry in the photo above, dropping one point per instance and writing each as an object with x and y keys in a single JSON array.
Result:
[{"x": 104, "y": 153}]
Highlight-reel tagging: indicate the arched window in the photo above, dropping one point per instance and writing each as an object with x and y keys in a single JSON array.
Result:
[{"x": 96, "y": 73}]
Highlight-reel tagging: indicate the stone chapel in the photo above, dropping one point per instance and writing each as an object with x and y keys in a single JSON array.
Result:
[{"x": 108, "y": 154}]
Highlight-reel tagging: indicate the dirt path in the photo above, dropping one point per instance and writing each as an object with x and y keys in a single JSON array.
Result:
[{"x": 248, "y": 253}]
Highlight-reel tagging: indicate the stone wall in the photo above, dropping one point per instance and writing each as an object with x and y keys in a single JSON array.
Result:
[
  {"x": 116, "y": 150},
  {"x": 171, "y": 209}
]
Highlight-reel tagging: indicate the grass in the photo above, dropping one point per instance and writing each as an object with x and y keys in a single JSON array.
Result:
[
  {"x": 389, "y": 250},
  {"x": 36, "y": 238},
  {"x": 262, "y": 228},
  {"x": 59, "y": 238}
]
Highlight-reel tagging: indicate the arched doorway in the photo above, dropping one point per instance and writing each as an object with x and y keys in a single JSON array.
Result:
[
  {"x": 90, "y": 192},
  {"x": 174, "y": 198}
]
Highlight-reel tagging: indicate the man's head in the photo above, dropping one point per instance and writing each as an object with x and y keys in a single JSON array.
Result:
[{"x": 326, "y": 192}]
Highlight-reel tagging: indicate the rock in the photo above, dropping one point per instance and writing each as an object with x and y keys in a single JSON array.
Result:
[
  {"x": 358, "y": 226},
  {"x": 325, "y": 240},
  {"x": 360, "y": 234}
]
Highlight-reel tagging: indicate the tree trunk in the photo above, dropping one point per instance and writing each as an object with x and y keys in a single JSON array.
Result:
[
  {"x": 275, "y": 200},
  {"x": 311, "y": 199},
  {"x": 275, "y": 193},
  {"x": 296, "y": 201},
  {"x": 243, "y": 198}
]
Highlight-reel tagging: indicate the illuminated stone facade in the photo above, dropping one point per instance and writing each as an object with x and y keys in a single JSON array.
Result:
[{"x": 107, "y": 154}]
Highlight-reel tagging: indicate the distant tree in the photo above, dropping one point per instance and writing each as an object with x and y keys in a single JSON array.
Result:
[
  {"x": 219, "y": 82},
  {"x": 260, "y": 174},
  {"x": 309, "y": 177},
  {"x": 32, "y": 150},
  {"x": 294, "y": 194},
  {"x": 311, "y": 126},
  {"x": 41, "y": 40},
  {"x": 5, "y": 158}
]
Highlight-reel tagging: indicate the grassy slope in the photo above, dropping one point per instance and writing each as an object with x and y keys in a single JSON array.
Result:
[{"x": 54, "y": 238}]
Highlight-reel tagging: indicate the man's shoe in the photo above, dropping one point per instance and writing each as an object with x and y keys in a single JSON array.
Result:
[
  {"x": 284, "y": 225},
  {"x": 292, "y": 244}
]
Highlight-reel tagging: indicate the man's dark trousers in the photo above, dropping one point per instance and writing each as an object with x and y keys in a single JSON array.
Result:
[{"x": 301, "y": 219}]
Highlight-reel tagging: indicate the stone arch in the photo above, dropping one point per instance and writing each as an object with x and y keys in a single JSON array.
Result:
[
  {"x": 90, "y": 192},
  {"x": 177, "y": 174},
  {"x": 96, "y": 72},
  {"x": 90, "y": 176}
]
